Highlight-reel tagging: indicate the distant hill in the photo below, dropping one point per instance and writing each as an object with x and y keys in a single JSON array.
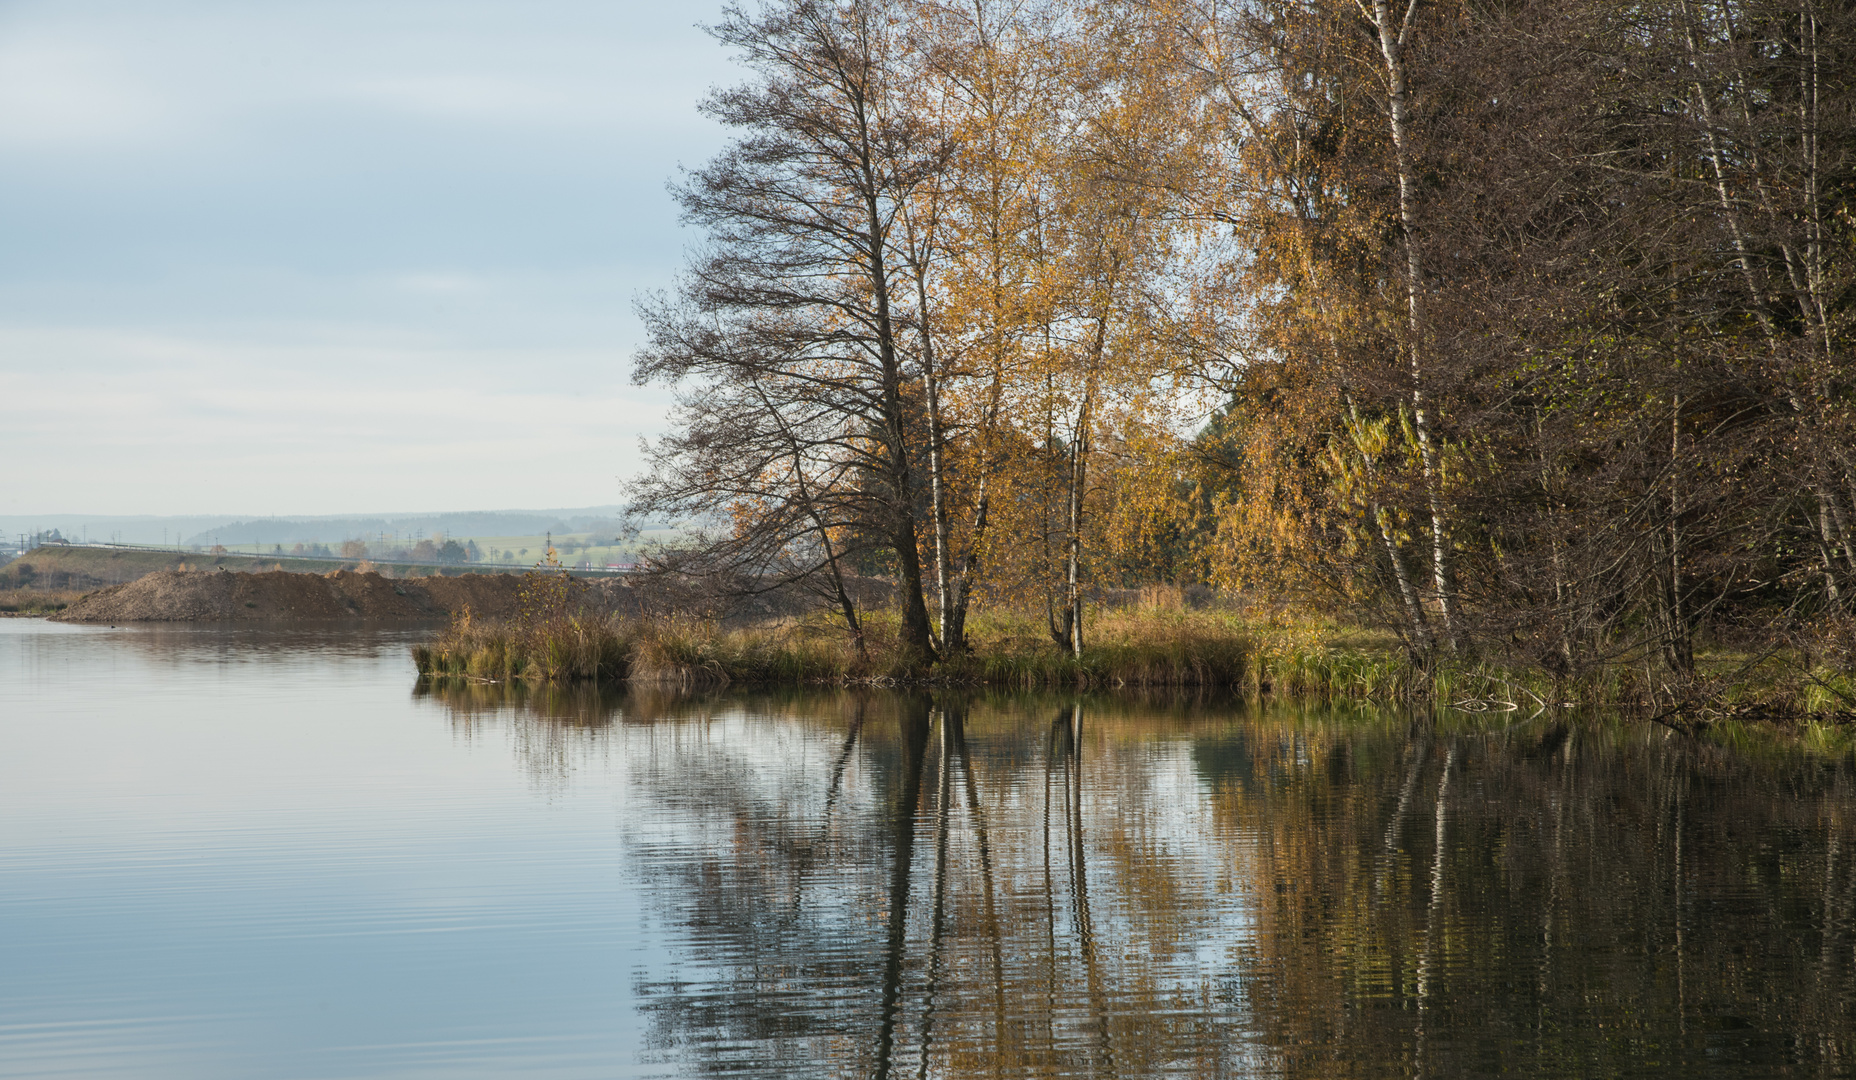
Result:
[
  {"x": 107, "y": 527},
  {"x": 303, "y": 529},
  {"x": 307, "y": 530}
]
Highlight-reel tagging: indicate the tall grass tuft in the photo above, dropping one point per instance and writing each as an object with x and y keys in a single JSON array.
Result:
[
  {"x": 1156, "y": 644},
  {"x": 566, "y": 649},
  {"x": 675, "y": 651},
  {"x": 689, "y": 652}
]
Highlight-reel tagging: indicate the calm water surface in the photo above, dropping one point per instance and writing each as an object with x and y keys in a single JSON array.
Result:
[{"x": 239, "y": 854}]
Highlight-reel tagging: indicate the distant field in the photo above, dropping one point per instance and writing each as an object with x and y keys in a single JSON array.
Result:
[
  {"x": 79, "y": 567},
  {"x": 597, "y": 549},
  {"x": 55, "y": 567}
]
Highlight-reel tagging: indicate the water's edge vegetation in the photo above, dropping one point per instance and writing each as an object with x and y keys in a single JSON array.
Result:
[{"x": 1245, "y": 651}]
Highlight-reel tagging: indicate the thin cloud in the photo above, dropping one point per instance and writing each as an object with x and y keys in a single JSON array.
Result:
[
  {"x": 60, "y": 95},
  {"x": 439, "y": 284},
  {"x": 307, "y": 257},
  {"x": 332, "y": 426}
]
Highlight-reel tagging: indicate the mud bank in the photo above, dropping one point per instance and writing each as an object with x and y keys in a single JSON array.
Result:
[{"x": 281, "y": 596}]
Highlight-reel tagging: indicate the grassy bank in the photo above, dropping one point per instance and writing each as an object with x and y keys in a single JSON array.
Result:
[
  {"x": 1135, "y": 647},
  {"x": 1250, "y": 652}
]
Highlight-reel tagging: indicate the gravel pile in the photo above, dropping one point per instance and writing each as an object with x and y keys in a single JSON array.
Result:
[{"x": 280, "y": 596}]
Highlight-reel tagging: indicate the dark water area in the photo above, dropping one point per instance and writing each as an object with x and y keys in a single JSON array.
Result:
[{"x": 273, "y": 854}]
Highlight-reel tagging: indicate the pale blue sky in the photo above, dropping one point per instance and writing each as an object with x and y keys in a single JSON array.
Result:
[{"x": 328, "y": 256}]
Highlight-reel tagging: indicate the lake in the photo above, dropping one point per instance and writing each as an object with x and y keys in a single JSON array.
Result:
[{"x": 274, "y": 854}]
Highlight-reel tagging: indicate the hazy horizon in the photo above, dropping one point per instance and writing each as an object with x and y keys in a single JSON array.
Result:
[
  {"x": 184, "y": 528},
  {"x": 304, "y": 257}
]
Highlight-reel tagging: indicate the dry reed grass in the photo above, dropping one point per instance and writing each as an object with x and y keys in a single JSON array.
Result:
[
  {"x": 37, "y": 601},
  {"x": 1158, "y": 643}
]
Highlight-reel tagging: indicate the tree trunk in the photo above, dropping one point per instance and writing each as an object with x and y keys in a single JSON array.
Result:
[
  {"x": 917, "y": 635},
  {"x": 954, "y": 632},
  {"x": 1841, "y": 524},
  {"x": 1079, "y": 482},
  {"x": 1392, "y": 48},
  {"x": 1079, "y": 475},
  {"x": 1679, "y": 649},
  {"x": 937, "y": 475},
  {"x": 1408, "y": 594},
  {"x": 1824, "y": 547}
]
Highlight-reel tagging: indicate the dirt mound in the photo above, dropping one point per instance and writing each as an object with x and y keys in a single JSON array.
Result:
[
  {"x": 277, "y": 596},
  {"x": 280, "y": 596}
]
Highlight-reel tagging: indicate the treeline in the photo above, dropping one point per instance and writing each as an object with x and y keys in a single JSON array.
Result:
[{"x": 1524, "y": 327}]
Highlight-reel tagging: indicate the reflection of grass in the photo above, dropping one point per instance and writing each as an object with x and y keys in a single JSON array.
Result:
[
  {"x": 582, "y": 703},
  {"x": 37, "y": 601}
]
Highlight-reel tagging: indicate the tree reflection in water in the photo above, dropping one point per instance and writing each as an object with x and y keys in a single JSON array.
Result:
[{"x": 872, "y": 885}]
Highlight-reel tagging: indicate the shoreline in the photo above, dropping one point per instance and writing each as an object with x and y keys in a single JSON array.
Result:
[{"x": 1135, "y": 651}]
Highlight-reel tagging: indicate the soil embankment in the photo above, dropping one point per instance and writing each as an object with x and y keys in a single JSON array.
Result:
[
  {"x": 74, "y": 566},
  {"x": 224, "y": 595},
  {"x": 281, "y": 596}
]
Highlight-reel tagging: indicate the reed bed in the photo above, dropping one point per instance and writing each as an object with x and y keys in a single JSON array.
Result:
[
  {"x": 37, "y": 601},
  {"x": 568, "y": 649},
  {"x": 1148, "y": 646},
  {"x": 1124, "y": 648},
  {"x": 1127, "y": 648},
  {"x": 603, "y": 649}
]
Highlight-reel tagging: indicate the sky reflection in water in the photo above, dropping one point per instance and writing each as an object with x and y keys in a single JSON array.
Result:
[{"x": 257, "y": 855}]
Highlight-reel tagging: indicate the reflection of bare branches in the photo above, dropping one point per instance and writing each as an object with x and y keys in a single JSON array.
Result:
[
  {"x": 847, "y": 894},
  {"x": 1070, "y": 724},
  {"x": 938, "y": 921},
  {"x": 1426, "y": 958},
  {"x": 915, "y": 745},
  {"x": 956, "y": 723},
  {"x": 778, "y": 891},
  {"x": 1415, "y": 752},
  {"x": 1565, "y": 883}
]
